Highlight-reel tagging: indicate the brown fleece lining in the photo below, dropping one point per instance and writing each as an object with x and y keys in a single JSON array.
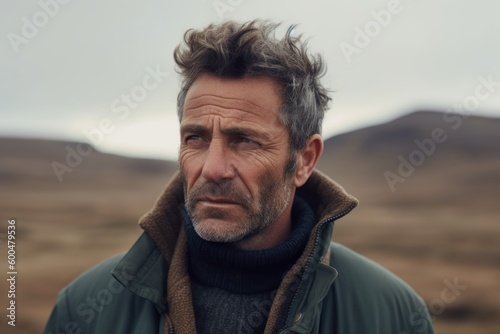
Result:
[
  {"x": 179, "y": 296},
  {"x": 163, "y": 224}
]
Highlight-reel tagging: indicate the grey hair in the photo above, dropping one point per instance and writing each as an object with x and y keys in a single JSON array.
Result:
[{"x": 237, "y": 50}]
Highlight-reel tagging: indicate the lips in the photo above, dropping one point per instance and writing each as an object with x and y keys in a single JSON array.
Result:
[{"x": 217, "y": 200}]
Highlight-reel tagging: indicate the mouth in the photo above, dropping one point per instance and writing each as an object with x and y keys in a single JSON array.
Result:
[{"x": 217, "y": 201}]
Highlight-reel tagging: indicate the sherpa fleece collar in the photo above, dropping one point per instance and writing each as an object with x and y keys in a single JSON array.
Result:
[{"x": 164, "y": 225}]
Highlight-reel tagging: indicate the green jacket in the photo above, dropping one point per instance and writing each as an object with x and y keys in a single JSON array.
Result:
[{"x": 330, "y": 289}]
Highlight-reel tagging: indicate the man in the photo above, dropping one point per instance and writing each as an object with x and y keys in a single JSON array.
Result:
[{"x": 239, "y": 242}]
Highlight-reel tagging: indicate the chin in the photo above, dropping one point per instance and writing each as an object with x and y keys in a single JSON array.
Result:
[{"x": 215, "y": 230}]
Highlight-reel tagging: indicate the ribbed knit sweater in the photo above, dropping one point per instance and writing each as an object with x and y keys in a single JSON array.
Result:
[{"x": 233, "y": 289}]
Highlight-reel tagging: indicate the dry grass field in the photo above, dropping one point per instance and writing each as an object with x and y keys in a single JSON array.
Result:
[{"x": 439, "y": 226}]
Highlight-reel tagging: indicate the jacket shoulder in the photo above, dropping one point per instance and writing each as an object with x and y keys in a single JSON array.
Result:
[
  {"x": 370, "y": 299},
  {"x": 89, "y": 302},
  {"x": 356, "y": 270},
  {"x": 96, "y": 277}
]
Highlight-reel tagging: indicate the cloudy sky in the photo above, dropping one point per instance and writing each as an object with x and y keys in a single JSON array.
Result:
[{"x": 102, "y": 71}]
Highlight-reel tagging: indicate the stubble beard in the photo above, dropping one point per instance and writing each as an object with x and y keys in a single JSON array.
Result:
[{"x": 273, "y": 198}]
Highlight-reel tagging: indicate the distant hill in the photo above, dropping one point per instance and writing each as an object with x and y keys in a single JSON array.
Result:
[
  {"x": 39, "y": 158},
  {"x": 467, "y": 154},
  {"x": 472, "y": 136}
]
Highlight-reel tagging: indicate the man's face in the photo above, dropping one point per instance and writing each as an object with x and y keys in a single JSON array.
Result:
[{"x": 232, "y": 157}]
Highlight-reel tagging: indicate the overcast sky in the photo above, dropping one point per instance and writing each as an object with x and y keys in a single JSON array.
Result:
[{"x": 67, "y": 67}]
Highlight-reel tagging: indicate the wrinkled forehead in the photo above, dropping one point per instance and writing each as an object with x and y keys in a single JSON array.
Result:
[{"x": 256, "y": 94}]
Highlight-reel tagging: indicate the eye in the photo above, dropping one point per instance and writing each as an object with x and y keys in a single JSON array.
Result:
[
  {"x": 245, "y": 140},
  {"x": 192, "y": 137},
  {"x": 194, "y": 141},
  {"x": 246, "y": 143}
]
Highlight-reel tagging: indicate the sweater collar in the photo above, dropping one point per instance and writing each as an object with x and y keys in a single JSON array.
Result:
[{"x": 248, "y": 271}]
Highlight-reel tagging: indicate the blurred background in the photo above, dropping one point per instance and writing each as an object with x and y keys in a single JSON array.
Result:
[{"x": 89, "y": 137}]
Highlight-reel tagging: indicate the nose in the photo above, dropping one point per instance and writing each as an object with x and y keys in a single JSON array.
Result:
[{"x": 217, "y": 165}]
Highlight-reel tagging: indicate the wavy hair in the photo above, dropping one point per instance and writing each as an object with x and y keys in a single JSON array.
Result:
[{"x": 237, "y": 50}]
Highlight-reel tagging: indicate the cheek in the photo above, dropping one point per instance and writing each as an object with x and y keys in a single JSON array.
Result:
[
  {"x": 191, "y": 165},
  {"x": 254, "y": 178},
  {"x": 260, "y": 169}
]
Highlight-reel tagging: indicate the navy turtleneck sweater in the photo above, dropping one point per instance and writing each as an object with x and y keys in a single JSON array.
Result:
[{"x": 233, "y": 289}]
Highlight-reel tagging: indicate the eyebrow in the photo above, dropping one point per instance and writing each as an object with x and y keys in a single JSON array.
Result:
[
  {"x": 194, "y": 128},
  {"x": 231, "y": 131}
]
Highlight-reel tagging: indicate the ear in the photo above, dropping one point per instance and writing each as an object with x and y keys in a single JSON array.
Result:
[{"x": 307, "y": 158}]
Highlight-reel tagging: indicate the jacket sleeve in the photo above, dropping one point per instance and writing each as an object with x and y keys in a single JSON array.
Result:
[
  {"x": 420, "y": 321},
  {"x": 366, "y": 298},
  {"x": 95, "y": 302},
  {"x": 60, "y": 320}
]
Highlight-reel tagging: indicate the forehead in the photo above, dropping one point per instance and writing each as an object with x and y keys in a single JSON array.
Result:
[{"x": 247, "y": 97}]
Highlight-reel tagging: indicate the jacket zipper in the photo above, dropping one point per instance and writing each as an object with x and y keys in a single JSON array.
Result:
[
  {"x": 316, "y": 242},
  {"x": 170, "y": 324}
]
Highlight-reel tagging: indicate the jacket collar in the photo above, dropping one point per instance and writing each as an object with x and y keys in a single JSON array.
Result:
[{"x": 144, "y": 269}]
